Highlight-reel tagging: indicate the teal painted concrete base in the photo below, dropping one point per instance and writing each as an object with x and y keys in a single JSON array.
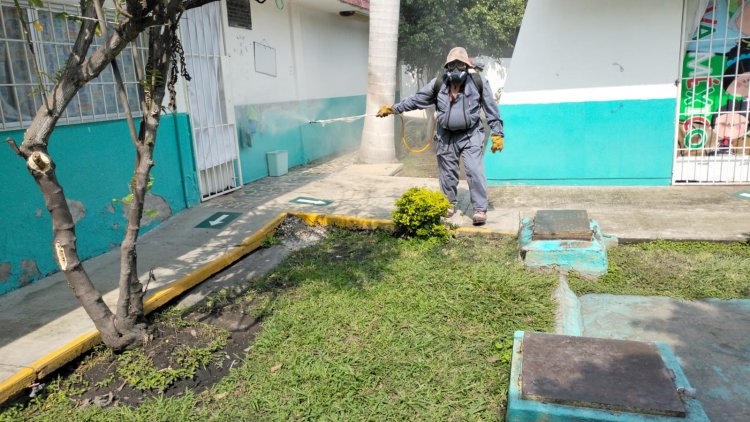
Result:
[
  {"x": 590, "y": 143},
  {"x": 520, "y": 410},
  {"x": 587, "y": 257}
]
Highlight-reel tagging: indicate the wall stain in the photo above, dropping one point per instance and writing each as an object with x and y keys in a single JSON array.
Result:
[
  {"x": 29, "y": 272},
  {"x": 4, "y": 271},
  {"x": 77, "y": 209}
]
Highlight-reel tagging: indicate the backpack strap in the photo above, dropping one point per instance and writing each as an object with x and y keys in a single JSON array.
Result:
[{"x": 477, "y": 81}]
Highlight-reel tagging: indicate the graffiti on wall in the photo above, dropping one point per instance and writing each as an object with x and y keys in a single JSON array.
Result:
[{"x": 714, "y": 110}]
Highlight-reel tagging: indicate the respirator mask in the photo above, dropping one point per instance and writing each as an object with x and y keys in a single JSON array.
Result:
[{"x": 456, "y": 71}]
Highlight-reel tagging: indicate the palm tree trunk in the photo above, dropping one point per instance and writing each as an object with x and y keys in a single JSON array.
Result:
[{"x": 378, "y": 134}]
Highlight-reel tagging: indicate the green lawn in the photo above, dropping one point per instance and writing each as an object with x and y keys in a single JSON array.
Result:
[
  {"x": 687, "y": 270},
  {"x": 363, "y": 326}
]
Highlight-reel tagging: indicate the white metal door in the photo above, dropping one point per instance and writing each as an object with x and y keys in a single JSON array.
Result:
[
  {"x": 214, "y": 133},
  {"x": 713, "y": 142}
]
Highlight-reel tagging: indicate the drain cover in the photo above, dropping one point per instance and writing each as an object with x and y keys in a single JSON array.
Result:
[
  {"x": 616, "y": 375},
  {"x": 561, "y": 225}
]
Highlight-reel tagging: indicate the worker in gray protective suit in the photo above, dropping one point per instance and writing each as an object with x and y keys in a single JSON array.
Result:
[{"x": 460, "y": 133}]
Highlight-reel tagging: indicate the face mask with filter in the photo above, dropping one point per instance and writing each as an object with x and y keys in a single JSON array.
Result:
[{"x": 456, "y": 71}]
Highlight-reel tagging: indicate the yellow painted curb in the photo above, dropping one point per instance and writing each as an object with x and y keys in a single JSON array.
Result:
[
  {"x": 47, "y": 364},
  {"x": 343, "y": 221},
  {"x": 484, "y": 232},
  {"x": 16, "y": 383},
  {"x": 56, "y": 359},
  {"x": 200, "y": 275}
]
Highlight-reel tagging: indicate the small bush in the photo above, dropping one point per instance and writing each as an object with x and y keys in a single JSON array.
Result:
[{"x": 418, "y": 214}]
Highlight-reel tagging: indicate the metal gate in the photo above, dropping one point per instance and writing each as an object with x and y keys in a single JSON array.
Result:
[
  {"x": 712, "y": 135},
  {"x": 214, "y": 134}
]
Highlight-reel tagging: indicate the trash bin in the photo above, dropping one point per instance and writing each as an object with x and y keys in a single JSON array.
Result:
[{"x": 278, "y": 162}]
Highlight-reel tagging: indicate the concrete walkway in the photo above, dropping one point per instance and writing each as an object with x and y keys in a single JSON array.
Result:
[{"x": 42, "y": 317}]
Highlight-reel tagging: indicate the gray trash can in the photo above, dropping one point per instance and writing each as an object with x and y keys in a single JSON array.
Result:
[{"x": 278, "y": 162}]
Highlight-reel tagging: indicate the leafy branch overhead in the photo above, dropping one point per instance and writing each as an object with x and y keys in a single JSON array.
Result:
[{"x": 427, "y": 30}]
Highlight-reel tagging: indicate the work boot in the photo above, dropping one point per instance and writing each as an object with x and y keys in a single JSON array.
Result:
[
  {"x": 479, "y": 218},
  {"x": 450, "y": 212}
]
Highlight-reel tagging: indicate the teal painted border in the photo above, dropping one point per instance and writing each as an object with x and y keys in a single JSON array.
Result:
[
  {"x": 625, "y": 142},
  {"x": 587, "y": 257},
  {"x": 520, "y": 410},
  {"x": 95, "y": 163},
  {"x": 263, "y": 128}
]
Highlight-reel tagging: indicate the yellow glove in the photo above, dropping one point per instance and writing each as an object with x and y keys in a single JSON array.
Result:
[
  {"x": 497, "y": 143},
  {"x": 386, "y": 110}
]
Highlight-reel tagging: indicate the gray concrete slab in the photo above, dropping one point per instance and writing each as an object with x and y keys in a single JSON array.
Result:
[
  {"x": 618, "y": 375},
  {"x": 45, "y": 315},
  {"x": 561, "y": 225},
  {"x": 710, "y": 338}
]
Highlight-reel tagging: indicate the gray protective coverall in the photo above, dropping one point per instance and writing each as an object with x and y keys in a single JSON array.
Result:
[{"x": 460, "y": 134}]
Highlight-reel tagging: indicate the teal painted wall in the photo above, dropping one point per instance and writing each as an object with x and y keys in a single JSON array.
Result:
[
  {"x": 94, "y": 165},
  {"x": 285, "y": 126},
  {"x": 628, "y": 142}
]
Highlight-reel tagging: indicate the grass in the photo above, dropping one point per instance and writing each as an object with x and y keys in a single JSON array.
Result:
[
  {"x": 686, "y": 270},
  {"x": 363, "y": 326}
]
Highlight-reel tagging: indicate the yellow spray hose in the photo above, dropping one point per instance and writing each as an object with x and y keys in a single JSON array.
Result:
[{"x": 406, "y": 144}]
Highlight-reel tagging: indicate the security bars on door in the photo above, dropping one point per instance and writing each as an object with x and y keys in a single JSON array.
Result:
[
  {"x": 714, "y": 115},
  {"x": 214, "y": 132}
]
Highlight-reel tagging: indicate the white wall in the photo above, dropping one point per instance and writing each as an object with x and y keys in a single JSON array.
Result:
[
  {"x": 319, "y": 55},
  {"x": 271, "y": 27},
  {"x": 592, "y": 49},
  {"x": 333, "y": 52}
]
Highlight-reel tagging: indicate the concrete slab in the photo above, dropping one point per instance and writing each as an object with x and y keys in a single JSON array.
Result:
[
  {"x": 618, "y": 375},
  {"x": 631, "y": 212},
  {"x": 561, "y": 225},
  {"x": 523, "y": 410},
  {"x": 710, "y": 338}
]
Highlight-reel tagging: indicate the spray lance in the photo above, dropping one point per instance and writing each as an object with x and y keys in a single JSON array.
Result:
[
  {"x": 350, "y": 119},
  {"x": 347, "y": 119}
]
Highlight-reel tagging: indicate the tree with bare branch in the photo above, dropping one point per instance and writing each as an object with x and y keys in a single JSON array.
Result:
[{"x": 124, "y": 326}]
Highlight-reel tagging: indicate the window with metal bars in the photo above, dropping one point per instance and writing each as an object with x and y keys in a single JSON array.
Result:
[{"x": 53, "y": 35}]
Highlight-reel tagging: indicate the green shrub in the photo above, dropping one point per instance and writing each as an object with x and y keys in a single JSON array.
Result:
[{"x": 418, "y": 214}]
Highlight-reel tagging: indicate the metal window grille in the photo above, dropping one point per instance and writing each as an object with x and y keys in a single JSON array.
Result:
[
  {"x": 714, "y": 115},
  {"x": 20, "y": 96}
]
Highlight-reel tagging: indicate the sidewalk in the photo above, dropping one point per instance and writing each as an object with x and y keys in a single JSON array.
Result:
[{"x": 41, "y": 318}]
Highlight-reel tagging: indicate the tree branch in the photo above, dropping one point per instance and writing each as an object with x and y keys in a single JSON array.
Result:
[
  {"x": 30, "y": 45},
  {"x": 122, "y": 11},
  {"x": 118, "y": 76},
  {"x": 15, "y": 148}
]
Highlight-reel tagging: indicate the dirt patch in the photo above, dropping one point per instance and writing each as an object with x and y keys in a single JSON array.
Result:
[
  {"x": 190, "y": 349},
  {"x": 107, "y": 379}
]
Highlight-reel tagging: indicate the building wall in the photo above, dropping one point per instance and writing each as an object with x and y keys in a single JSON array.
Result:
[
  {"x": 94, "y": 165},
  {"x": 321, "y": 62},
  {"x": 591, "y": 98}
]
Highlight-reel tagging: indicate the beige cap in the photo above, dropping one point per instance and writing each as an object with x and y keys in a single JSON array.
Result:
[{"x": 458, "y": 53}]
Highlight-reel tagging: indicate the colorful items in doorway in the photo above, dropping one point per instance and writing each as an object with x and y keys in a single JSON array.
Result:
[{"x": 714, "y": 111}]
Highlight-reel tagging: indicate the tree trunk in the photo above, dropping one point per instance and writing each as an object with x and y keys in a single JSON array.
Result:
[
  {"x": 123, "y": 329},
  {"x": 378, "y": 134},
  {"x": 130, "y": 301}
]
